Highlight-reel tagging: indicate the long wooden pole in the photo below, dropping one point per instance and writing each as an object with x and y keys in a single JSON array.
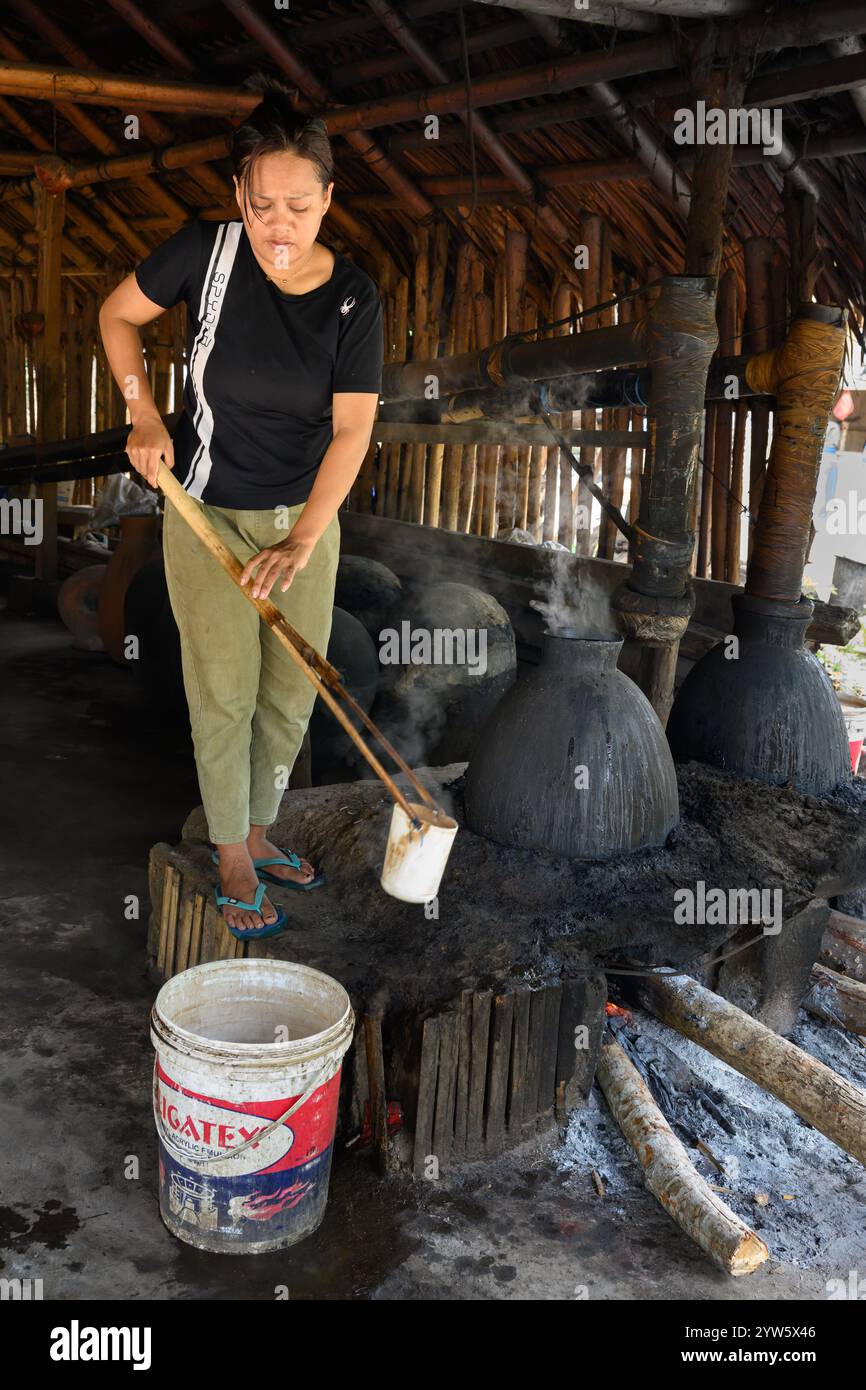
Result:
[
  {"x": 318, "y": 671},
  {"x": 593, "y": 235},
  {"x": 726, "y": 317}
]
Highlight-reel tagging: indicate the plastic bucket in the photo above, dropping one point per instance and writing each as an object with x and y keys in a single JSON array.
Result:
[
  {"x": 245, "y": 1090},
  {"x": 415, "y": 857},
  {"x": 854, "y": 714}
]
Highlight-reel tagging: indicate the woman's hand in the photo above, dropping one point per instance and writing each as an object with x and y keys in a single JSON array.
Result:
[
  {"x": 147, "y": 442},
  {"x": 286, "y": 559}
]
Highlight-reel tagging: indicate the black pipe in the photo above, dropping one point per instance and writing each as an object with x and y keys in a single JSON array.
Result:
[{"x": 513, "y": 362}]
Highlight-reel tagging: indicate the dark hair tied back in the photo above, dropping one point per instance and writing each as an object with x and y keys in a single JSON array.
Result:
[{"x": 275, "y": 127}]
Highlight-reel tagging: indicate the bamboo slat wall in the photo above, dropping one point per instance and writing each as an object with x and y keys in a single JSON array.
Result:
[
  {"x": 455, "y": 301},
  {"x": 90, "y": 399},
  {"x": 490, "y": 489}
]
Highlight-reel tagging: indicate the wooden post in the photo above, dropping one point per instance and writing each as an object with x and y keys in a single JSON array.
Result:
[
  {"x": 670, "y": 490},
  {"x": 727, "y": 319},
  {"x": 461, "y": 327},
  {"x": 801, "y": 224},
  {"x": 516, "y": 243},
  {"x": 433, "y": 491},
  {"x": 758, "y": 331},
  {"x": 421, "y": 348},
  {"x": 471, "y": 460},
  {"x": 593, "y": 238},
  {"x": 493, "y": 497},
  {"x": 528, "y": 320},
  {"x": 559, "y": 473},
  {"x": 735, "y": 498},
  {"x": 485, "y": 498},
  {"x": 614, "y": 459},
  {"x": 49, "y": 378},
  {"x": 638, "y": 419}
]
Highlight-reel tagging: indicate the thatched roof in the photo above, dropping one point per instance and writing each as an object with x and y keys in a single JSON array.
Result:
[{"x": 355, "y": 53}]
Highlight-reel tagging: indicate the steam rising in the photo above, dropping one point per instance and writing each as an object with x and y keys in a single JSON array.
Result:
[{"x": 575, "y": 604}]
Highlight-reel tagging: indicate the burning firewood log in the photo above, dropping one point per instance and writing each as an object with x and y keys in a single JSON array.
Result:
[
  {"x": 683, "y": 1193},
  {"x": 827, "y": 1101}
]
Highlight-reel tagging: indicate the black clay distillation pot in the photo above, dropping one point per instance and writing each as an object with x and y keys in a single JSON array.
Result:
[
  {"x": 573, "y": 759},
  {"x": 768, "y": 710}
]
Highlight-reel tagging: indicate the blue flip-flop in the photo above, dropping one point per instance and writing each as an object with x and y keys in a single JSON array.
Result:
[
  {"x": 251, "y": 933},
  {"x": 286, "y": 856}
]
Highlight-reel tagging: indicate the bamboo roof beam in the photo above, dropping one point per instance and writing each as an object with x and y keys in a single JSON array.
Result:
[
  {"x": 443, "y": 190},
  {"x": 385, "y": 168},
  {"x": 42, "y": 82},
  {"x": 800, "y": 27},
  {"x": 635, "y": 131},
  {"x": 155, "y": 130},
  {"x": 24, "y": 204},
  {"x": 149, "y": 30},
  {"x": 97, "y": 137},
  {"x": 512, "y": 30},
  {"x": 546, "y": 215}
]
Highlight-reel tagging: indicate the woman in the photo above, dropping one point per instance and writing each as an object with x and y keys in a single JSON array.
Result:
[{"x": 284, "y": 369}]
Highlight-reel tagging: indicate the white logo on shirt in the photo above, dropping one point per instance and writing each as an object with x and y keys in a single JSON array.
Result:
[{"x": 347, "y": 304}]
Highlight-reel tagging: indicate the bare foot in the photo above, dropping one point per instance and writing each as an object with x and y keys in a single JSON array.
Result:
[
  {"x": 261, "y": 848},
  {"x": 239, "y": 879}
]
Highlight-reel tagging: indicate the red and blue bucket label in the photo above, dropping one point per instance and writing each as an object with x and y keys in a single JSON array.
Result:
[{"x": 274, "y": 1190}]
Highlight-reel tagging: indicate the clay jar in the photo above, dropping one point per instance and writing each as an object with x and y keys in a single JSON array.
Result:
[
  {"x": 765, "y": 709},
  {"x": 573, "y": 759}
]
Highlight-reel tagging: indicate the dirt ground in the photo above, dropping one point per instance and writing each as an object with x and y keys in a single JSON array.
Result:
[{"x": 91, "y": 782}]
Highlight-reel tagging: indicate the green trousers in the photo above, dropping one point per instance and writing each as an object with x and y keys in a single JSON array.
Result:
[{"x": 249, "y": 705}]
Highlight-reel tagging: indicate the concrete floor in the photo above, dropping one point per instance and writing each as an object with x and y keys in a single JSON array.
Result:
[{"x": 89, "y": 781}]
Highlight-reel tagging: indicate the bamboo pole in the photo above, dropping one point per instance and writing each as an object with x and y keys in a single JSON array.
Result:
[
  {"x": 461, "y": 327},
  {"x": 73, "y": 347},
  {"x": 637, "y": 420},
  {"x": 758, "y": 337},
  {"x": 516, "y": 242},
  {"x": 487, "y": 453},
  {"x": 316, "y": 668},
  {"x": 421, "y": 347},
  {"x": 670, "y": 1176},
  {"x": 433, "y": 490},
  {"x": 493, "y": 492},
  {"x": 471, "y": 458},
  {"x": 735, "y": 509},
  {"x": 559, "y": 473},
  {"x": 825, "y": 1100},
  {"x": 615, "y": 459},
  {"x": 593, "y": 237},
  {"x": 727, "y": 319},
  {"x": 702, "y": 563},
  {"x": 49, "y": 222},
  {"x": 400, "y": 343},
  {"x": 532, "y": 471},
  {"x": 402, "y": 458},
  {"x": 100, "y": 141},
  {"x": 43, "y": 82},
  {"x": 152, "y": 128}
]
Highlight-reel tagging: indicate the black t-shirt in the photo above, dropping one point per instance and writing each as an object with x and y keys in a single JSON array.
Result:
[{"x": 263, "y": 365}]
